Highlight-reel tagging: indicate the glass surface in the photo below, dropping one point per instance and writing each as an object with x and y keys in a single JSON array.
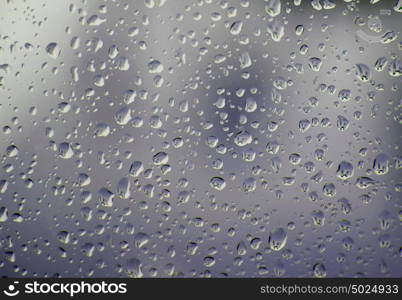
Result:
[{"x": 204, "y": 138}]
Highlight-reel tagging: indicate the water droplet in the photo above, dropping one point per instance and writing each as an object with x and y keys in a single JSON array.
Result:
[
  {"x": 277, "y": 239},
  {"x": 53, "y": 50},
  {"x": 217, "y": 183}
]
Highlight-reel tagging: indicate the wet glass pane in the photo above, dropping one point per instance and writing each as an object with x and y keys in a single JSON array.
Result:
[{"x": 200, "y": 138}]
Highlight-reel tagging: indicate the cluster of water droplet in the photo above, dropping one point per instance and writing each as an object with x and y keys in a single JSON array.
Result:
[{"x": 201, "y": 138}]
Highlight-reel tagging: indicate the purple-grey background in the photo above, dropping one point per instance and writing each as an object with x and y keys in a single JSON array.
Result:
[{"x": 223, "y": 89}]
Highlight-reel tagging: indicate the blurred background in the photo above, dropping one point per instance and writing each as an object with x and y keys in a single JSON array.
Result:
[{"x": 205, "y": 138}]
